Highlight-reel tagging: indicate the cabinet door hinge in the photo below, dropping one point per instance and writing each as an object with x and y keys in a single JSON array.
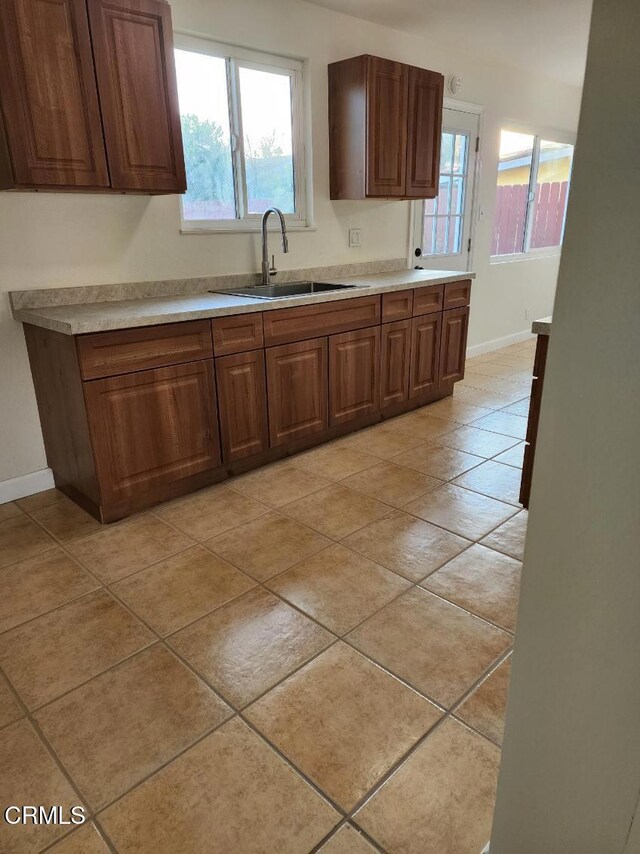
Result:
[
  {"x": 477, "y": 143},
  {"x": 469, "y": 245}
]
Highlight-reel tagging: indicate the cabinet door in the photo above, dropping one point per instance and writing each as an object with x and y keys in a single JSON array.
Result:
[
  {"x": 242, "y": 403},
  {"x": 297, "y": 390},
  {"x": 426, "y": 89},
  {"x": 152, "y": 427},
  {"x": 354, "y": 374},
  {"x": 394, "y": 361},
  {"x": 425, "y": 354},
  {"x": 453, "y": 347},
  {"x": 48, "y": 94},
  {"x": 387, "y": 84},
  {"x": 135, "y": 69}
]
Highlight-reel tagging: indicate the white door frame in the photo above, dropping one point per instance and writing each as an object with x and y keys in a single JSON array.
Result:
[{"x": 478, "y": 110}]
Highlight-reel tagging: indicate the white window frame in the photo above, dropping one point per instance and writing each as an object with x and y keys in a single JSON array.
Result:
[
  {"x": 545, "y": 251},
  {"x": 237, "y": 58}
]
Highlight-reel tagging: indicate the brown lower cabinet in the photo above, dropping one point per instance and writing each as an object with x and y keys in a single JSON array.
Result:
[
  {"x": 151, "y": 428},
  {"x": 539, "y": 366},
  {"x": 297, "y": 390},
  {"x": 137, "y": 416},
  {"x": 425, "y": 355},
  {"x": 242, "y": 399},
  {"x": 354, "y": 374},
  {"x": 453, "y": 343},
  {"x": 395, "y": 358}
]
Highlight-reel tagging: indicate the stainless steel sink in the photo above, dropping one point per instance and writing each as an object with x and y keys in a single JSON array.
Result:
[{"x": 288, "y": 289}]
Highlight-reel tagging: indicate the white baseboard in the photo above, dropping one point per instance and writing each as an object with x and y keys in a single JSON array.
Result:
[
  {"x": 26, "y": 484},
  {"x": 498, "y": 343}
]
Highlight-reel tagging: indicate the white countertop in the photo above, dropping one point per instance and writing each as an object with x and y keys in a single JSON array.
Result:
[
  {"x": 542, "y": 327},
  {"x": 80, "y": 318}
]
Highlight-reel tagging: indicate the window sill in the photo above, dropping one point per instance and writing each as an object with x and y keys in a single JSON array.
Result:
[
  {"x": 535, "y": 254},
  {"x": 241, "y": 228}
]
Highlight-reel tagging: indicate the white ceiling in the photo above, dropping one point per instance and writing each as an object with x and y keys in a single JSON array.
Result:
[{"x": 548, "y": 36}]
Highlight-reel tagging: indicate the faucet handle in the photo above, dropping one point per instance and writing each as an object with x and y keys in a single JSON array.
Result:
[{"x": 272, "y": 270}]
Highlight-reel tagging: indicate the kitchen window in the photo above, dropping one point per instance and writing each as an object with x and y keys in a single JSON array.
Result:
[
  {"x": 243, "y": 136},
  {"x": 534, "y": 175}
]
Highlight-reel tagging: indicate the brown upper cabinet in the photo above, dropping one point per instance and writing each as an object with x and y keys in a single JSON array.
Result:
[
  {"x": 88, "y": 97},
  {"x": 385, "y": 126}
]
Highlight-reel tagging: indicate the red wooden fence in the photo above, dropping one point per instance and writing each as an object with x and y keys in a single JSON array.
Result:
[{"x": 511, "y": 208}]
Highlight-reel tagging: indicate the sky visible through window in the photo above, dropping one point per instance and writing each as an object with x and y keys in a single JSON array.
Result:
[{"x": 266, "y": 113}]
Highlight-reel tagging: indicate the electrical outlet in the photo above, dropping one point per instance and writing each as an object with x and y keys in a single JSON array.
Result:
[{"x": 355, "y": 238}]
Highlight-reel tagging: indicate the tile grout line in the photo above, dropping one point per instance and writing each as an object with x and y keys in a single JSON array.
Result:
[
  {"x": 518, "y": 506},
  {"x": 466, "y": 610},
  {"x": 449, "y": 715},
  {"x": 403, "y": 509},
  {"x": 99, "y": 829},
  {"x": 346, "y": 822},
  {"x": 35, "y": 727},
  {"x": 102, "y": 585}
]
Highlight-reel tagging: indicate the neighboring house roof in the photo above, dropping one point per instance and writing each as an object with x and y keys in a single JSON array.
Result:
[{"x": 523, "y": 158}]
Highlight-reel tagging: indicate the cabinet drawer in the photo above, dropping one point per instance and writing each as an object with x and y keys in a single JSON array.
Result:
[
  {"x": 285, "y": 325},
  {"x": 427, "y": 300},
  {"x": 106, "y": 354},
  {"x": 457, "y": 294},
  {"x": 237, "y": 334},
  {"x": 397, "y": 306}
]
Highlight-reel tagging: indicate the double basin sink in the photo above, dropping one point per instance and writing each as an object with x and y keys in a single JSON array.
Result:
[{"x": 281, "y": 291}]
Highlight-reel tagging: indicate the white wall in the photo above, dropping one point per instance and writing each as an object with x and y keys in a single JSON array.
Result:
[
  {"x": 56, "y": 239},
  {"x": 570, "y": 772}
]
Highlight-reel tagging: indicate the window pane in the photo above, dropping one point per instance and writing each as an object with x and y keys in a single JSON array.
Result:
[
  {"x": 455, "y": 234},
  {"x": 442, "y": 231},
  {"x": 204, "y": 113},
  {"x": 460, "y": 154},
  {"x": 446, "y": 152},
  {"x": 512, "y": 197},
  {"x": 552, "y": 190},
  {"x": 444, "y": 194},
  {"x": 457, "y": 195},
  {"x": 428, "y": 236},
  {"x": 268, "y": 149}
]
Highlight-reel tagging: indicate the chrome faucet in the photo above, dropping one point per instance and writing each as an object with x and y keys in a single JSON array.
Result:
[{"x": 267, "y": 271}]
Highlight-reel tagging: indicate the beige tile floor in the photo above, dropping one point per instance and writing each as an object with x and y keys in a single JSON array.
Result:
[{"x": 311, "y": 657}]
